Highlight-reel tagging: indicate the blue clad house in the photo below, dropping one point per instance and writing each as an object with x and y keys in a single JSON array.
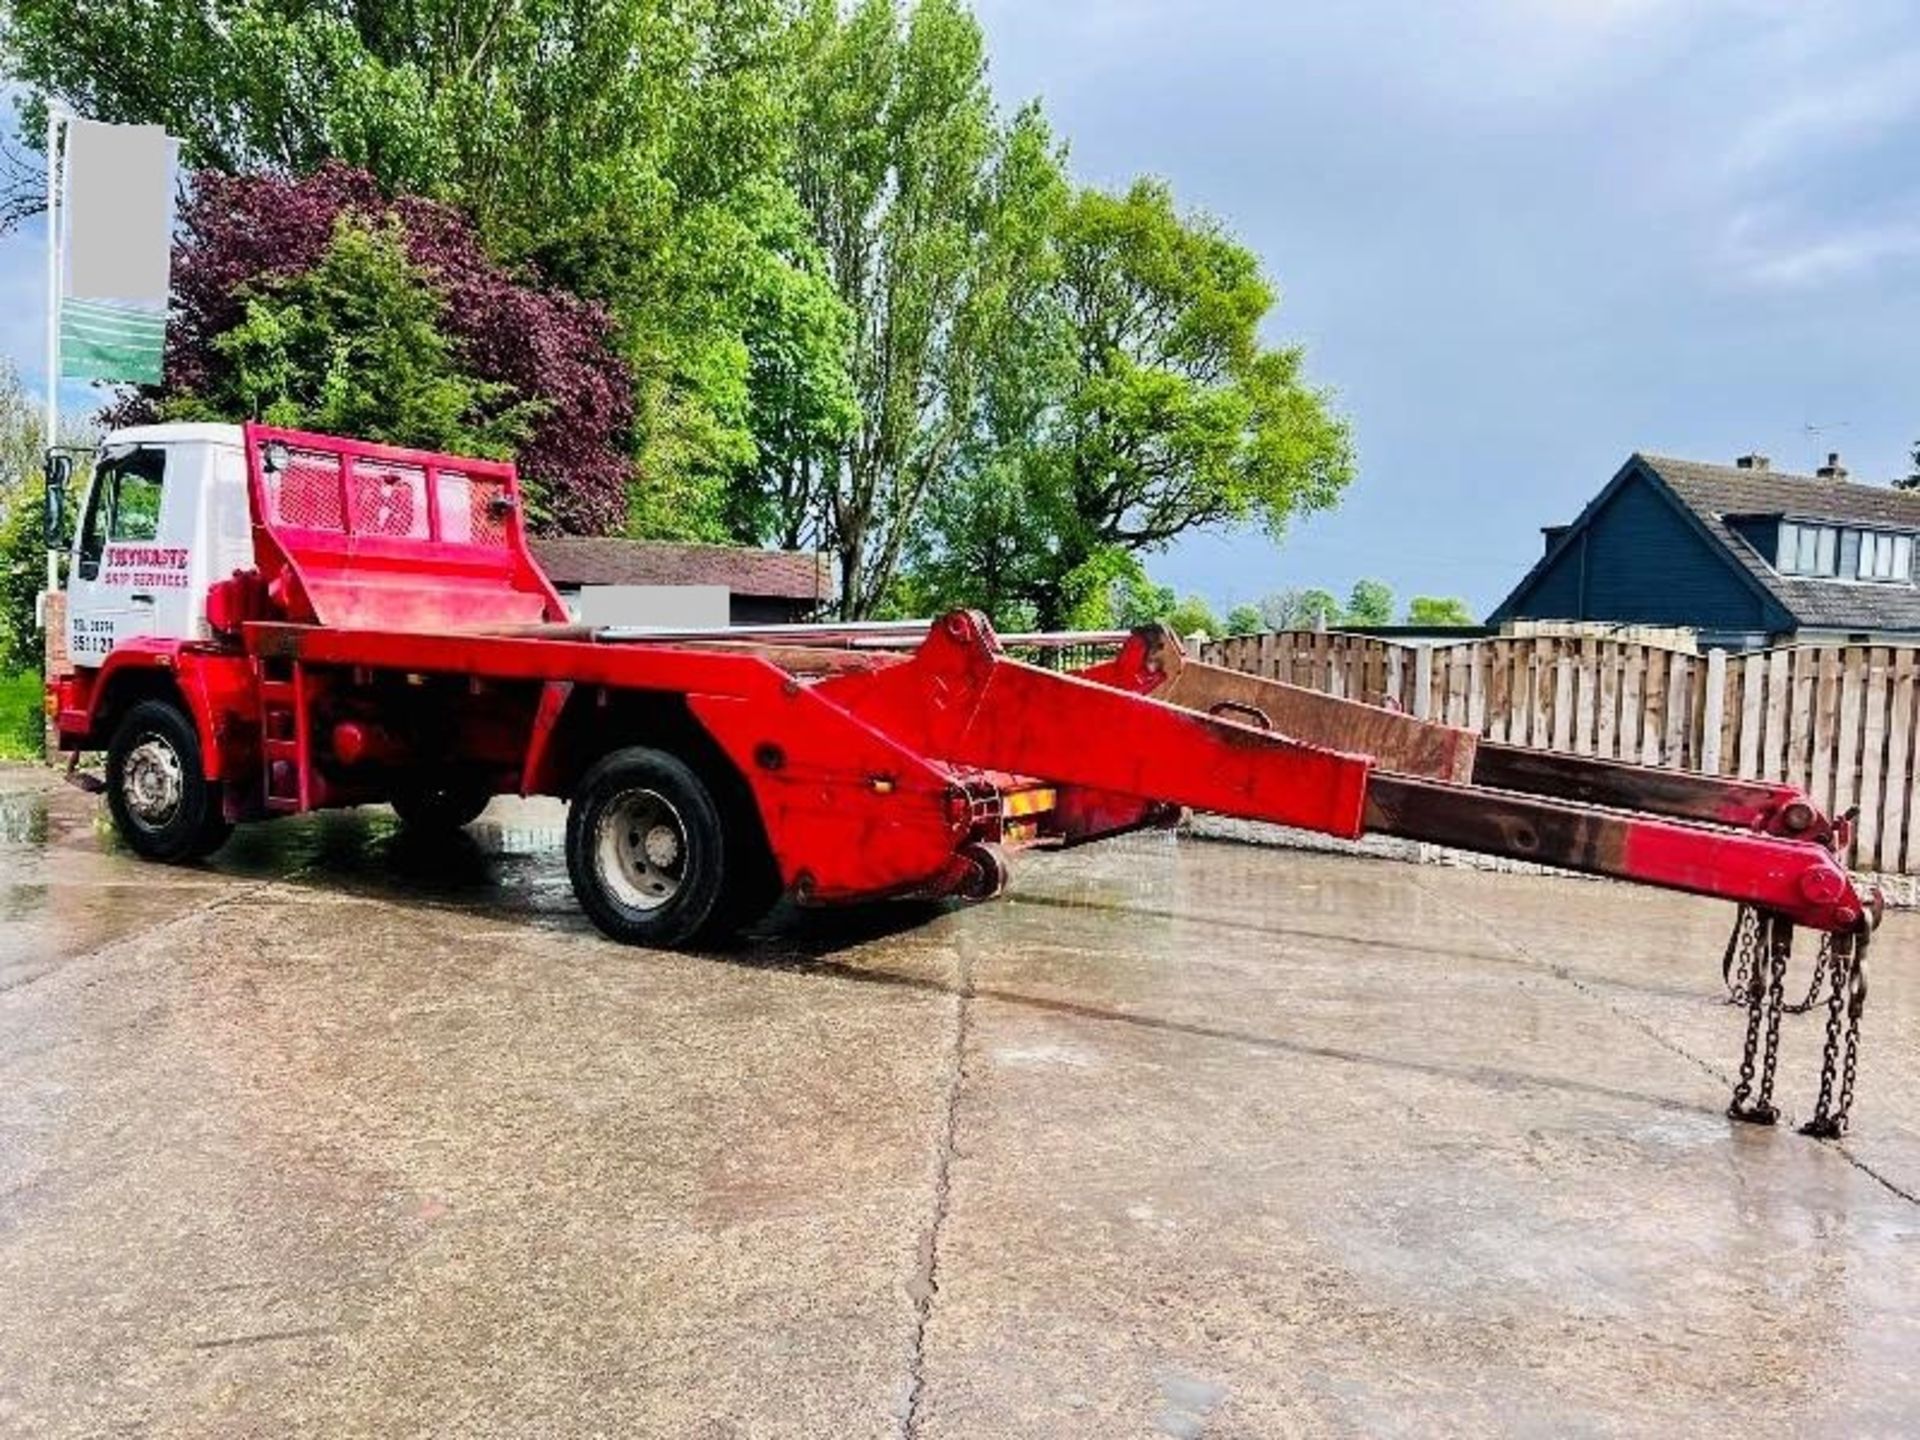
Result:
[{"x": 1745, "y": 554}]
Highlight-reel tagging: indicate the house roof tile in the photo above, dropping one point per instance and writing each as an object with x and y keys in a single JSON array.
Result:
[
  {"x": 1715, "y": 492},
  {"x": 772, "y": 574}
]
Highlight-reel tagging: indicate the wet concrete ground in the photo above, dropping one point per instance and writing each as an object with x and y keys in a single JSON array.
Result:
[{"x": 345, "y": 1135}]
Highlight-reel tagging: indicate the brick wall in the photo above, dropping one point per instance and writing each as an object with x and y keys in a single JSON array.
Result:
[{"x": 56, "y": 640}]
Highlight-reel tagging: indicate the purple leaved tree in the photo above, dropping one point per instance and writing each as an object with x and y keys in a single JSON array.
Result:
[{"x": 548, "y": 346}]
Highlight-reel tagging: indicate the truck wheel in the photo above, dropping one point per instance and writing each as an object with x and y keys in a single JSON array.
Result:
[
  {"x": 442, "y": 804},
  {"x": 646, "y": 850},
  {"x": 162, "y": 803}
]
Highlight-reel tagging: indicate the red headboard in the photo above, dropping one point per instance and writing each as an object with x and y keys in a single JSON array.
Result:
[{"x": 361, "y": 536}]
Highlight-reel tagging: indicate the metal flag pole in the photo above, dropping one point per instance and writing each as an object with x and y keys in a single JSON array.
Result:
[{"x": 53, "y": 309}]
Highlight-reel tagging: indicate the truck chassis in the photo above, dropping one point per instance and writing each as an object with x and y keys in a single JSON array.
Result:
[{"x": 395, "y": 642}]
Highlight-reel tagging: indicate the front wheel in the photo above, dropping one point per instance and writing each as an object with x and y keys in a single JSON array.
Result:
[
  {"x": 646, "y": 850},
  {"x": 162, "y": 803}
]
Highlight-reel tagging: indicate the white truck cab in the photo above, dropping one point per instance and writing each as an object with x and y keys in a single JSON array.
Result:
[{"x": 164, "y": 518}]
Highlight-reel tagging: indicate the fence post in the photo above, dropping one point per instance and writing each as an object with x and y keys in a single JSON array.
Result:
[
  {"x": 1713, "y": 713},
  {"x": 1422, "y": 682}
]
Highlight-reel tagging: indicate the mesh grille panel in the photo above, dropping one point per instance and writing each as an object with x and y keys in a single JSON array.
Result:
[
  {"x": 389, "y": 499},
  {"x": 474, "y": 509},
  {"x": 306, "y": 494}
]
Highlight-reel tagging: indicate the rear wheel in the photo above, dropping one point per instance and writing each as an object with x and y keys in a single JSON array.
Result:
[
  {"x": 162, "y": 803},
  {"x": 647, "y": 851}
]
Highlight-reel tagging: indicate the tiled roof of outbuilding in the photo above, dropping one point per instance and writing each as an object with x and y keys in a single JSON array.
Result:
[{"x": 773, "y": 574}]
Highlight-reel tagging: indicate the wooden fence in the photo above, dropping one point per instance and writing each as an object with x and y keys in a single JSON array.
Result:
[{"x": 1838, "y": 720}]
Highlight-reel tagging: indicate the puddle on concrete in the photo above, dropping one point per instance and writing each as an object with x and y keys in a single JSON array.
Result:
[{"x": 23, "y": 819}]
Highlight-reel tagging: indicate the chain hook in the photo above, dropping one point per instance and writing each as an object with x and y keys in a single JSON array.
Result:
[{"x": 1764, "y": 962}]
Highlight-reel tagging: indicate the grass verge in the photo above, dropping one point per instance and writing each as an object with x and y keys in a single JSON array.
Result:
[{"x": 20, "y": 715}]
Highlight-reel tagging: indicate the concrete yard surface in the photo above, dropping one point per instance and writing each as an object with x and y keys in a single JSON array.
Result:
[{"x": 348, "y": 1133}]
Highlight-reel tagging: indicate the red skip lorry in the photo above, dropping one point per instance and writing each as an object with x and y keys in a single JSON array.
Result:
[{"x": 263, "y": 622}]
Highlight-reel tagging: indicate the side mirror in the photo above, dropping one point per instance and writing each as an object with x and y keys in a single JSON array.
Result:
[{"x": 59, "y": 473}]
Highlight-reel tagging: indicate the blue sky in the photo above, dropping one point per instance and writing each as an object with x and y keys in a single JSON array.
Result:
[
  {"x": 1520, "y": 239},
  {"x": 1524, "y": 238}
]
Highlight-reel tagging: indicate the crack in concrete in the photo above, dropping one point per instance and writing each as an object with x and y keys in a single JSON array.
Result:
[
  {"x": 1646, "y": 1028},
  {"x": 133, "y": 937},
  {"x": 230, "y": 889},
  {"x": 1487, "y": 1075},
  {"x": 263, "y": 1337},
  {"x": 924, "y": 1284}
]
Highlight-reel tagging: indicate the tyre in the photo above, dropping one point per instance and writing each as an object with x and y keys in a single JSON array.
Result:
[
  {"x": 443, "y": 803},
  {"x": 162, "y": 803},
  {"x": 647, "y": 851}
]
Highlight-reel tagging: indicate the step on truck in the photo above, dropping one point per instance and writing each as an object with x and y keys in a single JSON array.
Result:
[{"x": 263, "y": 622}]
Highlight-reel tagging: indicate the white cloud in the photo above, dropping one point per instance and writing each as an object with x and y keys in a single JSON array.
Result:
[
  {"x": 1766, "y": 253},
  {"x": 1855, "y": 104}
]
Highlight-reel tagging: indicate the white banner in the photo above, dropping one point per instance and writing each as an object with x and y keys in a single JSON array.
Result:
[{"x": 119, "y": 212}]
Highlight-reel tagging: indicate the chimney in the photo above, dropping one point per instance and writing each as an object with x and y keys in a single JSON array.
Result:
[
  {"x": 1754, "y": 462},
  {"x": 1833, "y": 469}
]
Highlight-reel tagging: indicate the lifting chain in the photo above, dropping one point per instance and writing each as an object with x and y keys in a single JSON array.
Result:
[
  {"x": 1736, "y": 966},
  {"x": 1763, "y": 960},
  {"x": 1821, "y": 964},
  {"x": 1845, "y": 1004},
  {"x": 1754, "y": 968}
]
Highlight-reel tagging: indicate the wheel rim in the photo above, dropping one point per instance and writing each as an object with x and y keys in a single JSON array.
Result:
[
  {"x": 640, "y": 849},
  {"x": 153, "y": 782}
]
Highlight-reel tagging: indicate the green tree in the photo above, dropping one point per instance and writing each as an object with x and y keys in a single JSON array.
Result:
[
  {"x": 635, "y": 150},
  {"x": 1282, "y": 610},
  {"x": 1136, "y": 600},
  {"x": 23, "y": 554},
  {"x": 1307, "y": 609},
  {"x": 982, "y": 539},
  {"x": 1319, "y": 610},
  {"x": 803, "y": 407},
  {"x": 23, "y": 575},
  {"x": 1245, "y": 620},
  {"x": 1193, "y": 616},
  {"x": 1437, "y": 611},
  {"x": 934, "y": 220},
  {"x": 354, "y": 346},
  {"x": 1157, "y": 411},
  {"x": 1911, "y": 481},
  {"x": 1369, "y": 603}
]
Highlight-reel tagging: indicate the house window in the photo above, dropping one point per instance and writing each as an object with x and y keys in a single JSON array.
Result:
[
  {"x": 1876, "y": 557},
  {"x": 1826, "y": 550},
  {"x": 1808, "y": 549},
  {"x": 1886, "y": 557}
]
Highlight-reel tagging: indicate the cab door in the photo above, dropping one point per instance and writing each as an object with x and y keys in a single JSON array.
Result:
[{"x": 130, "y": 565}]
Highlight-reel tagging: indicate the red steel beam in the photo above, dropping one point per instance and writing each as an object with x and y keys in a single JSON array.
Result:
[
  {"x": 1153, "y": 662},
  {"x": 960, "y": 700},
  {"x": 1772, "y": 807},
  {"x": 1795, "y": 878}
]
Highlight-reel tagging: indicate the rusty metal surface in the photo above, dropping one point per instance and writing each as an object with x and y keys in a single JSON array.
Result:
[
  {"x": 1720, "y": 799},
  {"x": 1798, "y": 879},
  {"x": 1520, "y": 827},
  {"x": 1396, "y": 742}
]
